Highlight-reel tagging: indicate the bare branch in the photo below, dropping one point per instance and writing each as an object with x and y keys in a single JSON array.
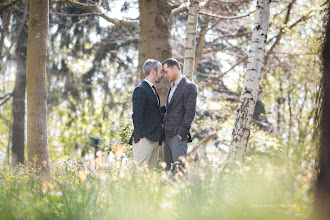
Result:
[
  {"x": 182, "y": 8},
  {"x": 75, "y": 15},
  {"x": 6, "y": 98},
  {"x": 8, "y": 5},
  {"x": 20, "y": 27},
  {"x": 96, "y": 9},
  {"x": 211, "y": 82},
  {"x": 279, "y": 36},
  {"x": 231, "y": 1},
  {"x": 202, "y": 143},
  {"x": 4, "y": 30},
  {"x": 226, "y": 17}
]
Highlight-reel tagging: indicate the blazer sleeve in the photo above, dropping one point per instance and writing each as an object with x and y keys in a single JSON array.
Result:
[
  {"x": 139, "y": 102},
  {"x": 189, "y": 102}
]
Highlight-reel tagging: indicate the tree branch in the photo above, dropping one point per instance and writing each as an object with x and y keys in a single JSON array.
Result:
[
  {"x": 182, "y": 8},
  {"x": 6, "y": 98},
  {"x": 98, "y": 10},
  {"x": 75, "y": 15},
  {"x": 279, "y": 36},
  {"x": 211, "y": 82},
  {"x": 4, "y": 30},
  {"x": 8, "y": 5},
  {"x": 202, "y": 143},
  {"x": 20, "y": 27},
  {"x": 226, "y": 17}
]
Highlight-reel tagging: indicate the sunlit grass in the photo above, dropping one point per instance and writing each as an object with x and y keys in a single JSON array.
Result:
[{"x": 113, "y": 190}]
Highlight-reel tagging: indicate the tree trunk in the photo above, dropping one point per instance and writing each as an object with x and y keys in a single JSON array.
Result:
[
  {"x": 18, "y": 108},
  {"x": 5, "y": 20},
  {"x": 155, "y": 36},
  {"x": 36, "y": 83},
  {"x": 190, "y": 48},
  {"x": 248, "y": 99},
  {"x": 322, "y": 194},
  {"x": 200, "y": 44}
]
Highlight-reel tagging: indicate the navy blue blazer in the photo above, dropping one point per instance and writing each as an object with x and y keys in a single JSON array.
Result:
[{"x": 146, "y": 115}]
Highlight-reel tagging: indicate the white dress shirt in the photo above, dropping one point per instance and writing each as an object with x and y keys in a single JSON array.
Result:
[{"x": 173, "y": 88}]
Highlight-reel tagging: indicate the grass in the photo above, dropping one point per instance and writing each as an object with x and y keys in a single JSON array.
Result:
[{"x": 117, "y": 190}]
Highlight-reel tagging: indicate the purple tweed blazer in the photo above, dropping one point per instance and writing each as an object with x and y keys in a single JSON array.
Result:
[{"x": 180, "y": 112}]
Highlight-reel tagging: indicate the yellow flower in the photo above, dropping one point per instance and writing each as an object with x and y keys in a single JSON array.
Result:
[
  {"x": 44, "y": 185},
  {"x": 82, "y": 175},
  {"x": 119, "y": 150},
  {"x": 51, "y": 186}
]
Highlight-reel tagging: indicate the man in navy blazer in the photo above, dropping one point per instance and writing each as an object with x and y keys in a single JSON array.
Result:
[
  {"x": 180, "y": 112},
  {"x": 146, "y": 115}
]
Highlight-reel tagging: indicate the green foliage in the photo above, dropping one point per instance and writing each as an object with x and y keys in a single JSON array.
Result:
[
  {"x": 70, "y": 128},
  {"x": 99, "y": 190}
]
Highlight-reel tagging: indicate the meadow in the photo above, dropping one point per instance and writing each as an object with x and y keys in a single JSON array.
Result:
[{"x": 118, "y": 189}]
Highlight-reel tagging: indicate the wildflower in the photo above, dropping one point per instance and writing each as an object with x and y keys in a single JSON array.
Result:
[
  {"x": 82, "y": 175},
  {"x": 163, "y": 164},
  {"x": 51, "y": 186},
  {"x": 44, "y": 187},
  {"x": 119, "y": 150},
  {"x": 99, "y": 153},
  {"x": 98, "y": 160},
  {"x": 154, "y": 176},
  {"x": 248, "y": 158}
]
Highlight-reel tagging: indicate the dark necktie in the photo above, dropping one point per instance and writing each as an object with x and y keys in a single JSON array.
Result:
[{"x": 154, "y": 87}]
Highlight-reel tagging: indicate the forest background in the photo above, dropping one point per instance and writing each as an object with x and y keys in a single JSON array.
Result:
[{"x": 94, "y": 63}]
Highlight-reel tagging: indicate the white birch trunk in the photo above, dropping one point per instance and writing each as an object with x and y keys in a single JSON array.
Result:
[
  {"x": 190, "y": 48},
  {"x": 37, "y": 138},
  {"x": 248, "y": 99}
]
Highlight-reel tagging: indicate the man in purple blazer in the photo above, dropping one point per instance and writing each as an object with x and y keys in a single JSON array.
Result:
[{"x": 180, "y": 112}]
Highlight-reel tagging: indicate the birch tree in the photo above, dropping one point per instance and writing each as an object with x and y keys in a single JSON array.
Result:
[
  {"x": 248, "y": 98},
  {"x": 37, "y": 141},
  {"x": 190, "y": 47}
]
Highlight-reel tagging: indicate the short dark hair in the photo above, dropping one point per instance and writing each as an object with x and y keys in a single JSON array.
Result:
[
  {"x": 149, "y": 65},
  {"x": 171, "y": 62}
]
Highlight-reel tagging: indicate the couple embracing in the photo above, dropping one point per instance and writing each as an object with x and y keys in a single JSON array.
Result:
[{"x": 170, "y": 123}]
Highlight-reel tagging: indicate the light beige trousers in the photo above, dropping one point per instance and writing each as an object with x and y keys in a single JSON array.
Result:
[{"x": 146, "y": 151}]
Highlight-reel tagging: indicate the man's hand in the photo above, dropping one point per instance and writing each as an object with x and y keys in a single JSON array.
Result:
[
  {"x": 141, "y": 139},
  {"x": 179, "y": 137}
]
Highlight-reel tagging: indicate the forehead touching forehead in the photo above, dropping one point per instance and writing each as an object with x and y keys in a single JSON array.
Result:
[
  {"x": 149, "y": 65},
  {"x": 171, "y": 62},
  {"x": 160, "y": 66}
]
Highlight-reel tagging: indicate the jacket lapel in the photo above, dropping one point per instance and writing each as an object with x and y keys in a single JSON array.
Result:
[
  {"x": 151, "y": 92},
  {"x": 180, "y": 86}
]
